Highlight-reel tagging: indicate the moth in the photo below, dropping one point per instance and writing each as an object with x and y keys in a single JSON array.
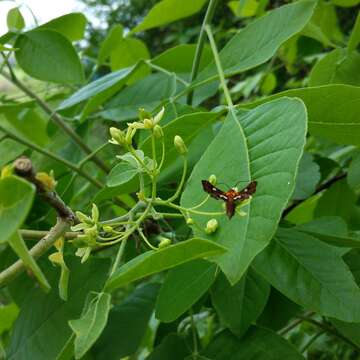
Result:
[{"x": 231, "y": 197}]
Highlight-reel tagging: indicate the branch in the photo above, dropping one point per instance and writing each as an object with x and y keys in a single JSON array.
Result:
[
  {"x": 29, "y": 234},
  {"x": 39, "y": 249},
  {"x": 56, "y": 118},
  {"x": 23, "y": 168}
]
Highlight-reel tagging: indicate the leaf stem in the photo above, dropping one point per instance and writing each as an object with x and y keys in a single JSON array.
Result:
[
  {"x": 182, "y": 181},
  {"x": 200, "y": 45},
  {"x": 160, "y": 69},
  {"x": 219, "y": 67},
  {"x": 119, "y": 256}
]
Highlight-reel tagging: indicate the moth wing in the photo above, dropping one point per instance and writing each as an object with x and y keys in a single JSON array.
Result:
[
  {"x": 246, "y": 192},
  {"x": 213, "y": 191}
]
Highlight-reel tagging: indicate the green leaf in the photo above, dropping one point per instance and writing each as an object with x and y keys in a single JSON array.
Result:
[
  {"x": 345, "y": 3},
  {"x": 172, "y": 347},
  {"x": 183, "y": 286},
  {"x": 47, "y": 55},
  {"x": 42, "y": 331},
  {"x": 337, "y": 67},
  {"x": 179, "y": 59},
  {"x": 99, "y": 90},
  {"x": 121, "y": 174},
  {"x": 323, "y": 281},
  {"x": 258, "y": 343},
  {"x": 187, "y": 126},
  {"x": 15, "y": 20},
  {"x": 308, "y": 177},
  {"x": 154, "y": 261},
  {"x": 305, "y": 211},
  {"x": 127, "y": 324},
  {"x": 332, "y": 111},
  {"x": 258, "y": 42},
  {"x": 338, "y": 200},
  {"x": 278, "y": 311},
  {"x": 330, "y": 229},
  {"x": 10, "y": 150},
  {"x": 113, "y": 37},
  {"x": 264, "y": 144},
  {"x": 324, "y": 26},
  {"x": 241, "y": 304},
  {"x": 18, "y": 245},
  {"x": 90, "y": 325},
  {"x": 16, "y": 198},
  {"x": 147, "y": 93},
  {"x": 350, "y": 330},
  {"x": 167, "y": 11},
  {"x": 72, "y": 26},
  {"x": 353, "y": 176},
  {"x": 355, "y": 34},
  {"x": 8, "y": 314}
]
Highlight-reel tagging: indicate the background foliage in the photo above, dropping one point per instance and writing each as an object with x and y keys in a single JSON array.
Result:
[{"x": 105, "y": 135}]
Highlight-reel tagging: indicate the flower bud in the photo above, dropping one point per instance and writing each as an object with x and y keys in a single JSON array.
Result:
[
  {"x": 83, "y": 218},
  {"x": 212, "y": 179},
  {"x": 159, "y": 116},
  {"x": 180, "y": 145},
  {"x": 117, "y": 135},
  {"x": 108, "y": 228},
  {"x": 129, "y": 135},
  {"x": 158, "y": 132},
  {"x": 190, "y": 221},
  {"x": 7, "y": 170},
  {"x": 164, "y": 242},
  {"x": 211, "y": 226},
  {"x": 148, "y": 124},
  {"x": 95, "y": 213}
]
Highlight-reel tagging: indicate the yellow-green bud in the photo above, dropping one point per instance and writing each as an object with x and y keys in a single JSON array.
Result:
[
  {"x": 211, "y": 226},
  {"x": 164, "y": 242},
  {"x": 117, "y": 136},
  {"x": 190, "y": 221},
  {"x": 180, "y": 145},
  {"x": 159, "y": 116},
  {"x": 108, "y": 228},
  {"x": 148, "y": 124},
  {"x": 212, "y": 179},
  {"x": 140, "y": 195},
  {"x": 83, "y": 218},
  {"x": 158, "y": 132},
  {"x": 95, "y": 213},
  {"x": 129, "y": 135}
]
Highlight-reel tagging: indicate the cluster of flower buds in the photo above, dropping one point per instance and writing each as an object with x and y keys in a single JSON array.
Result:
[{"x": 89, "y": 227}]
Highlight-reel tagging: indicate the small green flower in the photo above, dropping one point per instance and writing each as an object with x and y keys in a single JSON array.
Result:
[
  {"x": 158, "y": 131},
  {"x": 117, "y": 136},
  {"x": 212, "y": 179}
]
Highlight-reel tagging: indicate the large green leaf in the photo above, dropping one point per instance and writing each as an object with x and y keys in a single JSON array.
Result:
[
  {"x": 187, "y": 126},
  {"x": 100, "y": 89},
  {"x": 264, "y": 144},
  {"x": 257, "y": 344},
  {"x": 307, "y": 178},
  {"x": 258, "y": 42},
  {"x": 353, "y": 176},
  {"x": 18, "y": 245},
  {"x": 337, "y": 67},
  {"x": 47, "y": 55},
  {"x": 16, "y": 198},
  {"x": 127, "y": 324},
  {"x": 332, "y": 111},
  {"x": 154, "y": 261},
  {"x": 10, "y": 150},
  {"x": 8, "y": 314},
  {"x": 72, "y": 25},
  {"x": 41, "y": 331},
  {"x": 146, "y": 93},
  {"x": 240, "y": 305},
  {"x": 90, "y": 326},
  {"x": 121, "y": 174},
  {"x": 183, "y": 286},
  {"x": 330, "y": 229},
  {"x": 167, "y": 11},
  {"x": 323, "y": 281}
]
